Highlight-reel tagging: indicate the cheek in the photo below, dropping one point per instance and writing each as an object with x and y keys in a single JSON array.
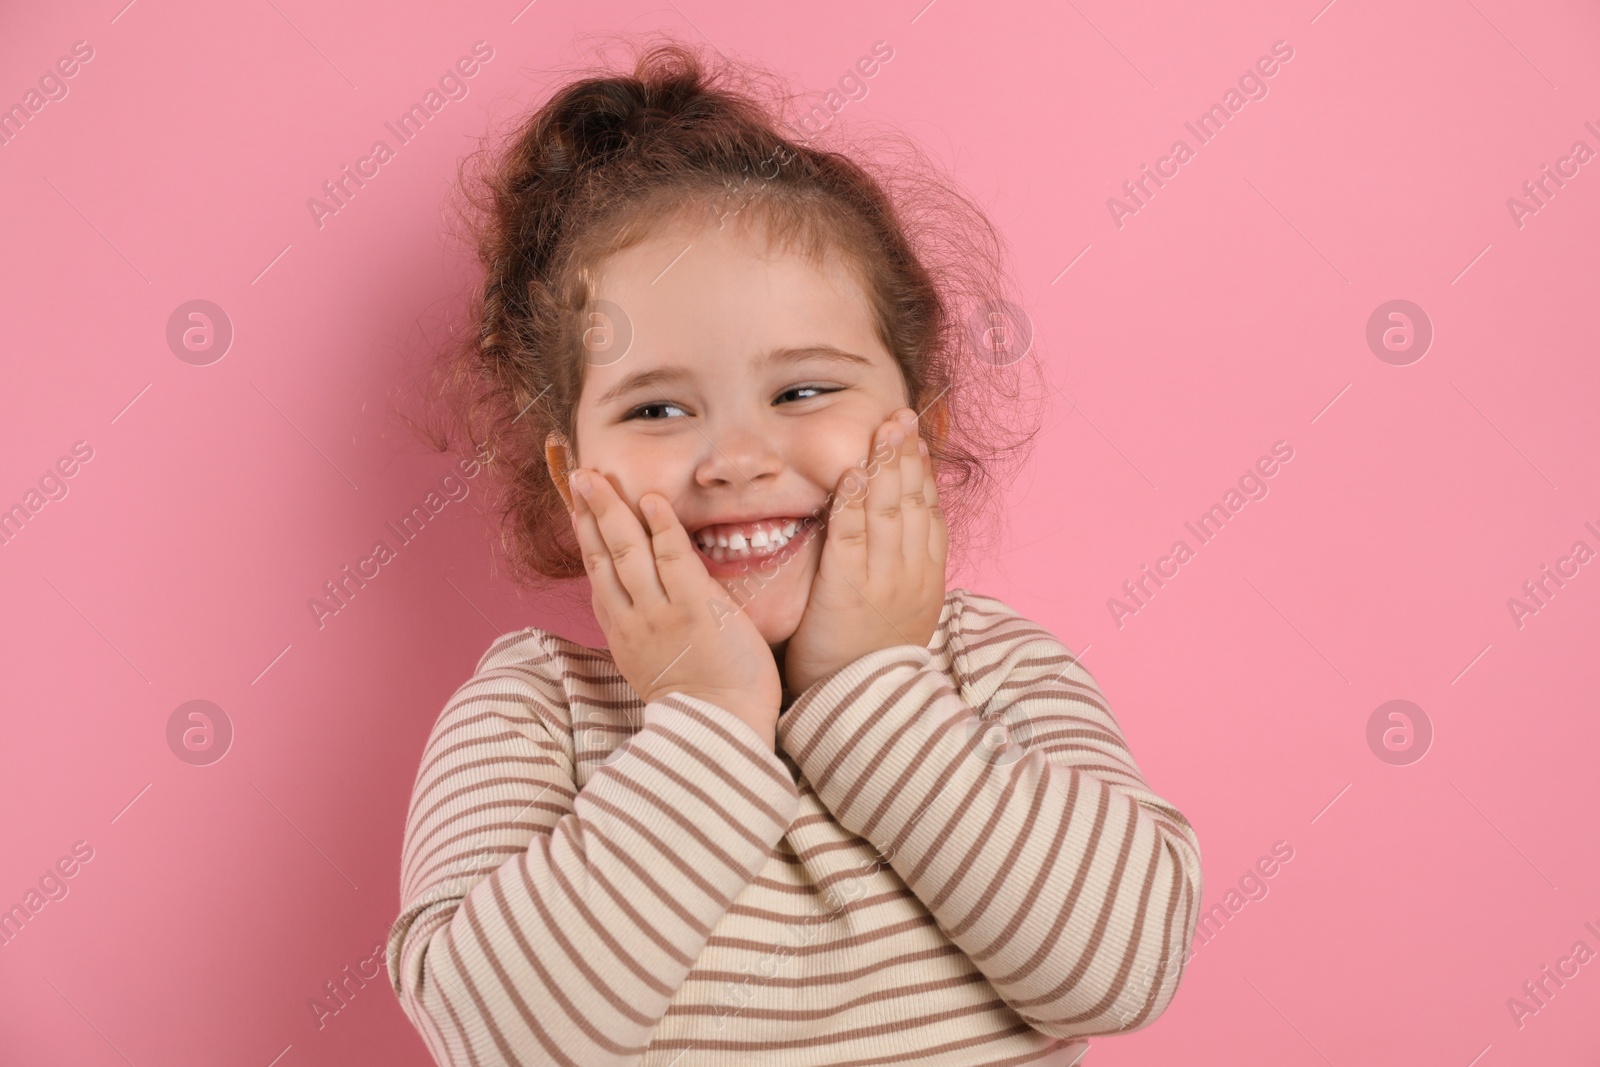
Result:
[
  {"x": 826, "y": 450},
  {"x": 637, "y": 467}
]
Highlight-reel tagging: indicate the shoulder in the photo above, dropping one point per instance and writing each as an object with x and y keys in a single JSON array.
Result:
[
  {"x": 529, "y": 675},
  {"x": 535, "y": 649},
  {"x": 544, "y": 671},
  {"x": 977, "y": 622},
  {"x": 990, "y": 642}
]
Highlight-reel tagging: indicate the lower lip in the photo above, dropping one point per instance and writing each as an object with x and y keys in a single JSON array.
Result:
[{"x": 733, "y": 568}]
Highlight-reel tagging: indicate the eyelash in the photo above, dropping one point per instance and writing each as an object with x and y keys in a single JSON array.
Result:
[{"x": 635, "y": 413}]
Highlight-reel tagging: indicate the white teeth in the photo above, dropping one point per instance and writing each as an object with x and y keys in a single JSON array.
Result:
[{"x": 734, "y": 544}]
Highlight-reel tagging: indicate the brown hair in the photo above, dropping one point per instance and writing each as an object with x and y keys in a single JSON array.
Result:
[{"x": 611, "y": 155}]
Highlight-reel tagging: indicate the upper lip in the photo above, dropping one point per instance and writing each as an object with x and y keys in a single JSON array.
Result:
[{"x": 750, "y": 516}]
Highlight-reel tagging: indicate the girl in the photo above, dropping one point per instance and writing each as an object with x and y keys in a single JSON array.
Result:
[{"x": 808, "y": 806}]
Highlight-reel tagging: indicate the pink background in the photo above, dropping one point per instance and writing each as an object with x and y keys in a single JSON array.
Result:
[{"x": 1229, "y": 313}]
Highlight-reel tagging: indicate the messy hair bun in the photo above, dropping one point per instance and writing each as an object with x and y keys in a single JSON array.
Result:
[{"x": 608, "y": 156}]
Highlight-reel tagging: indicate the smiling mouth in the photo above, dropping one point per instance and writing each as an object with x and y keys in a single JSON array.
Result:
[{"x": 739, "y": 541}]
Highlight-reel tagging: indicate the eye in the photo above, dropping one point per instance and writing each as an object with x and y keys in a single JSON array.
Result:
[
  {"x": 814, "y": 390},
  {"x": 659, "y": 405}
]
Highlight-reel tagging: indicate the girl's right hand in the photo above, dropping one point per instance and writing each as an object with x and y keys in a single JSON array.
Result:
[{"x": 653, "y": 599}]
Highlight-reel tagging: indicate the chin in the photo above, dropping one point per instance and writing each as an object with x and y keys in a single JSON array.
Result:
[
  {"x": 774, "y": 598},
  {"x": 774, "y": 621}
]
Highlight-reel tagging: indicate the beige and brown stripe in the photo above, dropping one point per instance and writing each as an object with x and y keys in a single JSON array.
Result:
[{"x": 951, "y": 858}]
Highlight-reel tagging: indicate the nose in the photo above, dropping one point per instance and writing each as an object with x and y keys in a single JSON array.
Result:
[{"x": 737, "y": 455}]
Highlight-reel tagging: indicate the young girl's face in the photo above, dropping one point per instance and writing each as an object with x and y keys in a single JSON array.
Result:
[{"x": 752, "y": 382}]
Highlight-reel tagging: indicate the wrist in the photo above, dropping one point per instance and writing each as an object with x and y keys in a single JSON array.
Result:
[
  {"x": 743, "y": 704},
  {"x": 801, "y": 677},
  {"x": 724, "y": 712}
]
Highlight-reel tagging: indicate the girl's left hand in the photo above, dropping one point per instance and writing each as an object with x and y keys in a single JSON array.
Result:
[{"x": 880, "y": 582}]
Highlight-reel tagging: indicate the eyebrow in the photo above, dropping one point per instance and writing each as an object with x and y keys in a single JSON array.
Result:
[{"x": 649, "y": 379}]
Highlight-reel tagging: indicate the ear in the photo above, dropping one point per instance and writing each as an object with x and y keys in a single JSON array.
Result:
[{"x": 558, "y": 460}]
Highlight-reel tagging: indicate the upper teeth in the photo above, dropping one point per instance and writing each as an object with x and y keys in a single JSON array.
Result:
[{"x": 724, "y": 541}]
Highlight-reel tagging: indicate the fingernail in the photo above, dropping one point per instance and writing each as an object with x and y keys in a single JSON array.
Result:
[
  {"x": 580, "y": 482},
  {"x": 907, "y": 418}
]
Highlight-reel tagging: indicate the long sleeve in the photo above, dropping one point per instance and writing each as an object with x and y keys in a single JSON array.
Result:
[
  {"x": 543, "y": 924},
  {"x": 1020, "y": 821}
]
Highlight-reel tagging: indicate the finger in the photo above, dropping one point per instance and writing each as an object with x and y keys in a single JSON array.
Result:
[
  {"x": 885, "y": 538},
  {"x": 844, "y": 548},
  {"x": 913, "y": 504},
  {"x": 596, "y": 556},
  {"x": 938, "y": 534},
  {"x": 630, "y": 549},
  {"x": 683, "y": 574}
]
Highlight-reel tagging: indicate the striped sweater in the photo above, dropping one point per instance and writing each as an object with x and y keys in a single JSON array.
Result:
[{"x": 951, "y": 858}]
